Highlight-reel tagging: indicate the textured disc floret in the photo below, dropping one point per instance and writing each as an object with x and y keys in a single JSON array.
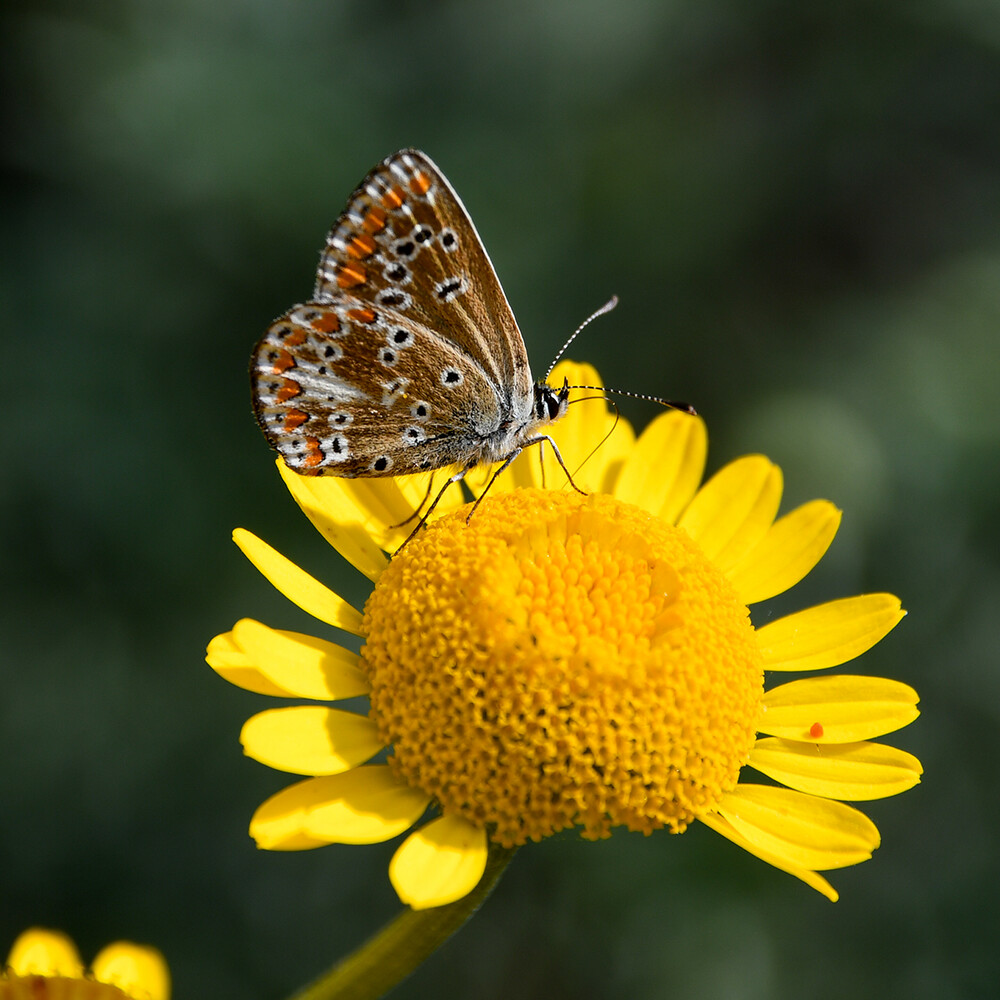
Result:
[{"x": 562, "y": 661}]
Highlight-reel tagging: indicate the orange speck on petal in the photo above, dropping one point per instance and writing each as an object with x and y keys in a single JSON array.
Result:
[{"x": 816, "y": 730}]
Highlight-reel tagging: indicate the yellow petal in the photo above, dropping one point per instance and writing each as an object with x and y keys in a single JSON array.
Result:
[
  {"x": 366, "y": 806},
  {"x": 848, "y": 708},
  {"x": 326, "y": 503},
  {"x": 40, "y": 952},
  {"x": 139, "y": 972},
  {"x": 310, "y": 739},
  {"x": 800, "y": 829},
  {"x": 733, "y": 511},
  {"x": 590, "y": 437},
  {"x": 300, "y": 665},
  {"x": 851, "y": 771},
  {"x": 439, "y": 863},
  {"x": 297, "y": 585},
  {"x": 663, "y": 470},
  {"x": 233, "y": 665},
  {"x": 789, "y": 550},
  {"x": 723, "y": 827},
  {"x": 280, "y": 823},
  {"x": 828, "y": 634}
]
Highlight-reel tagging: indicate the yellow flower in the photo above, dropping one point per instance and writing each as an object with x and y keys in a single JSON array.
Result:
[
  {"x": 45, "y": 964},
  {"x": 563, "y": 661}
]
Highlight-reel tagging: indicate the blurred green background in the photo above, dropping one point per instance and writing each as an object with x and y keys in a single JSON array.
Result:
[{"x": 799, "y": 206}]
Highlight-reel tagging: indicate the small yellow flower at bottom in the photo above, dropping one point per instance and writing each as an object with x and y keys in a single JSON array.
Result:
[
  {"x": 567, "y": 661},
  {"x": 45, "y": 965}
]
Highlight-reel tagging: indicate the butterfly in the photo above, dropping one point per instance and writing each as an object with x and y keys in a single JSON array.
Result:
[{"x": 408, "y": 357}]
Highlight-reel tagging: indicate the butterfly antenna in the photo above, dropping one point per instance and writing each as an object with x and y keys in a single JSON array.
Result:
[
  {"x": 673, "y": 404},
  {"x": 606, "y": 308}
]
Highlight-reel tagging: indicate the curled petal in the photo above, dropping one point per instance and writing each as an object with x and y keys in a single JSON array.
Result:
[
  {"x": 803, "y": 830},
  {"x": 226, "y": 658},
  {"x": 439, "y": 863},
  {"x": 301, "y": 666},
  {"x": 828, "y": 634}
]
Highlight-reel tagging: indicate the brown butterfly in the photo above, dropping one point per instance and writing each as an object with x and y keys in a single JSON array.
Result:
[{"x": 408, "y": 357}]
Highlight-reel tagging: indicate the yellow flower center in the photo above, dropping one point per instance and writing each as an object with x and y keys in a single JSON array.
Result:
[{"x": 562, "y": 661}]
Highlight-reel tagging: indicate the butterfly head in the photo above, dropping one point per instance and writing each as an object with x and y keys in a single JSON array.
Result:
[{"x": 550, "y": 404}]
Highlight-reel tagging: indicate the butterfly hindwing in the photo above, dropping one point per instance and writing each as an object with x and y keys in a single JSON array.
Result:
[{"x": 341, "y": 388}]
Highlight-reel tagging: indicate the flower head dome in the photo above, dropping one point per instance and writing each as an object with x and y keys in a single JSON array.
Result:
[{"x": 560, "y": 661}]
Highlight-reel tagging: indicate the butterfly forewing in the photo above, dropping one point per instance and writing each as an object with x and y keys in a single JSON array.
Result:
[
  {"x": 408, "y": 358},
  {"x": 406, "y": 241}
]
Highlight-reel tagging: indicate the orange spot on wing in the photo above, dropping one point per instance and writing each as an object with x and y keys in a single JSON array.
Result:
[
  {"x": 420, "y": 183},
  {"x": 374, "y": 221},
  {"x": 314, "y": 454},
  {"x": 327, "y": 323},
  {"x": 350, "y": 275},
  {"x": 289, "y": 390},
  {"x": 816, "y": 730},
  {"x": 393, "y": 198},
  {"x": 282, "y": 362},
  {"x": 293, "y": 419},
  {"x": 361, "y": 315},
  {"x": 296, "y": 337},
  {"x": 361, "y": 246}
]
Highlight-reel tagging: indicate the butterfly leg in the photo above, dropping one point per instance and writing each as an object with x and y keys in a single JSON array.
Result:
[
  {"x": 540, "y": 440},
  {"x": 456, "y": 478},
  {"x": 419, "y": 507}
]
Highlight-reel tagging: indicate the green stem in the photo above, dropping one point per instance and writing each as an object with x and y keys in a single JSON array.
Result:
[{"x": 388, "y": 957}]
